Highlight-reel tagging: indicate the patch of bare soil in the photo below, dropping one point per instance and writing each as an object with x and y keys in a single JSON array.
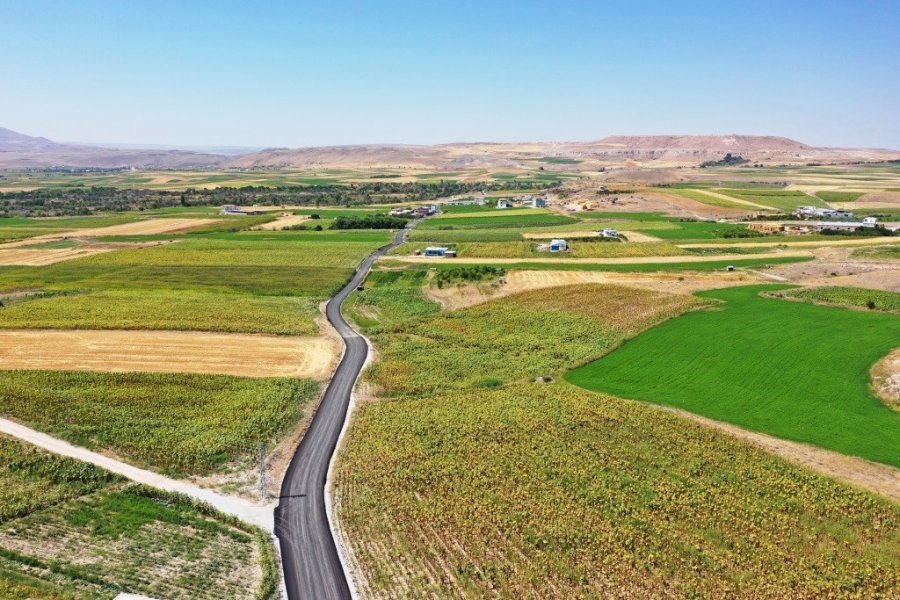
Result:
[
  {"x": 837, "y": 266},
  {"x": 874, "y": 477},
  {"x": 517, "y": 281},
  {"x": 647, "y": 200},
  {"x": 285, "y": 220},
  {"x": 247, "y": 355},
  {"x": 886, "y": 379},
  {"x": 38, "y": 257}
]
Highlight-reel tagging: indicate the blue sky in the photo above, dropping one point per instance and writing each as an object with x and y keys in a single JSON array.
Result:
[{"x": 315, "y": 73}]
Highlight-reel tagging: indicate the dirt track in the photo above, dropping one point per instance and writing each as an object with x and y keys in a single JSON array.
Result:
[
  {"x": 873, "y": 241},
  {"x": 517, "y": 281},
  {"x": 633, "y": 260},
  {"x": 247, "y": 355}
]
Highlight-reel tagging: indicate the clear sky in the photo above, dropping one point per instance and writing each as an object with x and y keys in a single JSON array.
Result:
[{"x": 313, "y": 73}]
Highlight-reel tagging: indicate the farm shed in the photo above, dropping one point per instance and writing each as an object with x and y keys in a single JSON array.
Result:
[
  {"x": 437, "y": 251},
  {"x": 558, "y": 246}
]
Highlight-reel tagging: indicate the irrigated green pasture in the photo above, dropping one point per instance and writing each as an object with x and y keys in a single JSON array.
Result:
[{"x": 793, "y": 370}]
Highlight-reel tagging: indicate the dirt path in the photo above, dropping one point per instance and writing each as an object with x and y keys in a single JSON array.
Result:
[
  {"x": 260, "y": 515},
  {"x": 734, "y": 200},
  {"x": 799, "y": 244},
  {"x": 248, "y": 355},
  {"x": 634, "y": 260},
  {"x": 517, "y": 281},
  {"x": 874, "y": 477}
]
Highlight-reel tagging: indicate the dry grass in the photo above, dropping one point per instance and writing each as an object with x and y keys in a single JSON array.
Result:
[
  {"x": 285, "y": 220},
  {"x": 247, "y": 355}
]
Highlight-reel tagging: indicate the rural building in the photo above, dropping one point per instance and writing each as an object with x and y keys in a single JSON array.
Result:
[
  {"x": 811, "y": 212},
  {"x": 477, "y": 200},
  {"x": 401, "y": 212},
  {"x": 438, "y": 251},
  {"x": 503, "y": 203},
  {"x": 232, "y": 209},
  {"x": 558, "y": 246},
  {"x": 537, "y": 203},
  {"x": 867, "y": 223},
  {"x": 609, "y": 233}
]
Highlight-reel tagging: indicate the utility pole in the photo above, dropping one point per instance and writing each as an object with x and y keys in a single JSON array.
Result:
[
  {"x": 68, "y": 401},
  {"x": 262, "y": 471}
]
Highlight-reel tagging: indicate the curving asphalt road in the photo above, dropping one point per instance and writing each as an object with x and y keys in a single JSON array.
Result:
[{"x": 312, "y": 569}]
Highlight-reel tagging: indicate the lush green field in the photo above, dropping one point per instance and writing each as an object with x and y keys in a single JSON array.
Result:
[
  {"x": 260, "y": 266},
  {"x": 846, "y": 296},
  {"x": 439, "y": 236},
  {"x": 768, "y": 365},
  {"x": 175, "y": 423},
  {"x": 160, "y": 309},
  {"x": 546, "y": 490},
  {"x": 72, "y": 530},
  {"x": 832, "y": 196},
  {"x": 688, "y": 230},
  {"x": 534, "y": 218},
  {"x": 699, "y": 196}
]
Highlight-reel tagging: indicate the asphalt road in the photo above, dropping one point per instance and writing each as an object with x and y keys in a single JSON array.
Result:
[{"x": 312, "y": 569}]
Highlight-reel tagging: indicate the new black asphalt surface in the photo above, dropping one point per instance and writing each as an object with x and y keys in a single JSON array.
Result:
[{"x": 312, "y": 568}]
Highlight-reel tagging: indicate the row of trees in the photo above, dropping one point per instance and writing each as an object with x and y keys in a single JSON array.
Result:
[{"x": 77, "y": 200}]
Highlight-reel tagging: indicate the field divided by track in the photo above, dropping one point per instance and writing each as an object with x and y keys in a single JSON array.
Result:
[
  {"x": 793, "y": 370},
  {"x": 71, "y": 530},
  {"x": 470, "y": 478}
]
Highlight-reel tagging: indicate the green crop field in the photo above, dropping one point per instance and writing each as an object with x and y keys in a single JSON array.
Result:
[
  {"x": 881, "y": 300},
  {"x": 59, "y": 518},
  {"x": 174, "y": 423},
  {"x": 536, "y": 218},
  {"x": 699, "y": 196},
  {"x": 549, "y": 491},
  {"x": 160, "y": 309},
  {"x": 833, "y": 196},
  {"x": 768, "y": 365},
  {"x": 784, "y": 200}
]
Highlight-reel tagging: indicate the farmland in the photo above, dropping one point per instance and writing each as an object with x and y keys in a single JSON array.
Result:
[
  {"x": 179, "y": 424},
  {"x": 880, "y": 300},
  {"x": 762, "y": 364},
  {"x": 165, "y": 309},
  {"x": 58, "y": 517},
  {"x": 549, "y": 491}
]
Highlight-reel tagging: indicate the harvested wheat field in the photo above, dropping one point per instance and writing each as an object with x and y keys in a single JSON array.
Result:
[
  {"x": 517, "y": 281},
  {"x": 147, "y": 227},
  {"x": 286, "y": 220},
  {"x": 247, "y": 355},
  {"x": 38, "y": 257}
]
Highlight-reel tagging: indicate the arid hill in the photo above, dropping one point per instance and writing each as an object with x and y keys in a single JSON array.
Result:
[{"x": 18, "y": 151}]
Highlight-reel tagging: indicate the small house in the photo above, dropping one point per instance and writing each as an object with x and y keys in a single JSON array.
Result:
[
  {"x": 558, "y": 246},
  {"x": 538, "y": 203},
  {"x": 609, "y": 233},
  {"x": 503, "y": 203}
]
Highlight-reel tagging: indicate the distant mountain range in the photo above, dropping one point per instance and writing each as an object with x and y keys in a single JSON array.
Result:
[{"x": 20, "y": 151}]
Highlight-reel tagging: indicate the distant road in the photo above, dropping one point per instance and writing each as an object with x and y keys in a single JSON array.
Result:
[{"x": 312, "y": 569}]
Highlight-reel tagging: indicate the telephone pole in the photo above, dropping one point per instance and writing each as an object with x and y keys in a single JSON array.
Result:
[{"x": 262, "y": 471}]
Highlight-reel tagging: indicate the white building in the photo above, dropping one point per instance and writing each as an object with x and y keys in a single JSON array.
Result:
[{"x": 558, "y": 246}]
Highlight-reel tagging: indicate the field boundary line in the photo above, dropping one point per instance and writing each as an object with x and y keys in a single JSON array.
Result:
[
  {"x": 255, "y": 514},
  {"x": 877, "y": 478}
]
